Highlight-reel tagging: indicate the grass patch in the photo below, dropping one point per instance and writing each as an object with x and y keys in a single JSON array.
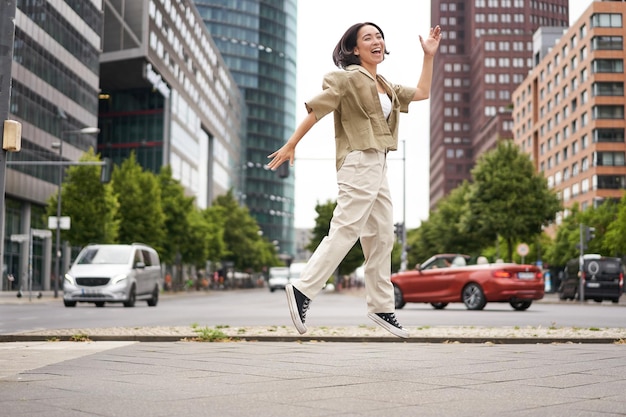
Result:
[
  {"x": 207, "y": 334},
  {"x": 80, "y": 337}
]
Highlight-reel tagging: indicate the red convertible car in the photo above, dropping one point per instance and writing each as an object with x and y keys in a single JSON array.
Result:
[{"x": 449, "y": 278}]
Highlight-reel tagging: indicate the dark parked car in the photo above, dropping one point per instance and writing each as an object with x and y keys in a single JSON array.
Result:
[
  {"x": 603, "y": 279},
  {"x": 448, "y": 278}
]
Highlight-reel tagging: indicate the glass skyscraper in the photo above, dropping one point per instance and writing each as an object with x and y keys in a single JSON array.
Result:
[{"x": 257, "y": 39}]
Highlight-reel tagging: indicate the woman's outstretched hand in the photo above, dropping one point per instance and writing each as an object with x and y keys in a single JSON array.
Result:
[
  {"x": 431, "y": 44},
  {"x": 284, "y": 154}
]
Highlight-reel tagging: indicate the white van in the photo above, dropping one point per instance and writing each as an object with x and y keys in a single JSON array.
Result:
[
  {"x": 114, "y": 274},
  {"x": 278, "y": 278},
  {"x": 295, "y": 270}
]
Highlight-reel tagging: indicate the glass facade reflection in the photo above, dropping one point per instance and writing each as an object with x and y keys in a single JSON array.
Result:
[
  {"x": 166, "y": 96},
  {"x": 257, "y": 39},
  {"x": 55, "y": 74}
]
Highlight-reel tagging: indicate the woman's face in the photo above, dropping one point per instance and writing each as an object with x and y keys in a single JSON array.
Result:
[{"x": 370, "y": 46}]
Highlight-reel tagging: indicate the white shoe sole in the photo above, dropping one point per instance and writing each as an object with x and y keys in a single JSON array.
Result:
[
  {"x": 390, "y": 328},
  {"x": 293, "y": 309}
]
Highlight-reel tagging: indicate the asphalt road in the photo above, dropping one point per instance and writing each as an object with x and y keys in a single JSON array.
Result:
[{"x": 259, "y": 307}]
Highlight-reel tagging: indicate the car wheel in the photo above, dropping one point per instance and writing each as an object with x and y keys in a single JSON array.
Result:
[
  {"x": 439, "y": 306},
  {"x": 152, "y": 301},
  {"x": 597, "y": 300},
  {"x": 615, "y": 300},
  {"x": 132, "y": 297},
  {"x": 521, "y": 305},
  {"x": 69, "y": 303},
  {"x": 99, "y": 303},
  {"x": 272, "y": 289},
  {"x": 398, "y": 298},
  {"x": 474, "y": 297}
]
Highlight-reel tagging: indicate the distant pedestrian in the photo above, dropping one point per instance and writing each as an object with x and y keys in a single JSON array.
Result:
[{"x": 366, "y": 110}]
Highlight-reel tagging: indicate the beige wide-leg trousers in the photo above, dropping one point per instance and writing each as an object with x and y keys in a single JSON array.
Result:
[{"x": 364, "y": 210}]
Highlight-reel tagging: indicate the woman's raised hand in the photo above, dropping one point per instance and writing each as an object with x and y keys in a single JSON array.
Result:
[{"x": 430, "y": 44}]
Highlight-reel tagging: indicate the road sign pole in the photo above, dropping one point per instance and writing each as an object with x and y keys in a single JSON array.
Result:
[{"x": 8, "y": 9}]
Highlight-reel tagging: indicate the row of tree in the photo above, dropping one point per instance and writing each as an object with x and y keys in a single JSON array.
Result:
[
  {"x": 508, "y": 203},
  {"x": 140, "y": 206}
]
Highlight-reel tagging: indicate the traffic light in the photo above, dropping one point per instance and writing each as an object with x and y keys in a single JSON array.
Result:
[
  {"x": 590, "y": 233},
  {"x": 283, "y": 170},
  {"x": 105, "y": 172},
  {"x": 398, "y": 230}
]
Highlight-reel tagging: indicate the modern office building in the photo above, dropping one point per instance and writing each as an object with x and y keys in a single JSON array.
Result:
[
  {"x": 486, "y": 52},
  {"x": 257, "y": 39},
  {"x": 55, "y": 75},
  {"x": 569, "y": 112},
  {"x": 167, "y": 96}
]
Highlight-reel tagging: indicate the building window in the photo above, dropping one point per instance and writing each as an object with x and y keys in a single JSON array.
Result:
[
  {"x": 609, "y": 159},
  {"x": 606, "y": 20},
  {"x": 608, "y": 88},
  {"x": 610, "y": 182},
  {"x": 612, "y": 43},
  {"x": 608, "y": 135},
  {"x": 608, "y": 65},
  {"x": 608, "y": 112}
]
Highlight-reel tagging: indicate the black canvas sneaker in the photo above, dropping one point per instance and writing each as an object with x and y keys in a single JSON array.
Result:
[
  {"x": 298, "y": 305},
  {"x": 389, "y": 322}
]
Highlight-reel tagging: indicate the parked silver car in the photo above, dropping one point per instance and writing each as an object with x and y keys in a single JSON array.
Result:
[{"x": 114, "y": 274}]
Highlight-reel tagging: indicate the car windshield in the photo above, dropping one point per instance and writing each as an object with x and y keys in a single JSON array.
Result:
[{"x": 114, "y": 255}]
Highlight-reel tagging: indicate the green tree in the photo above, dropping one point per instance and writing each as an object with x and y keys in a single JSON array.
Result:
[
  {"x": 508, "y": 198},
  {"x": 177, "y": 209},
  {"x": 90, "y": 204},
  {"x": 445, "y": 231},
  {"x": 246, "y": 248},
  {"x": 613, "y": 241},
  {"x": 354, "y": 258},
  {"x": 140, "y": 214},
  {"x": 214, "y": 219},
  {"x": 563, "y": 247}
]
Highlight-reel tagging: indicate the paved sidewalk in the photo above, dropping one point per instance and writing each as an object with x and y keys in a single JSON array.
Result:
[{"x": 242, "y": 379}]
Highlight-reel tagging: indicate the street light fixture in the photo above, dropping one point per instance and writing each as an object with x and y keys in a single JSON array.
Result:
[{"x": 59, "y": 145}]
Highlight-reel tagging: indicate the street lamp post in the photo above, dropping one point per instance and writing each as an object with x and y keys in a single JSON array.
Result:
[
  {"x": 404, "y": 256},
  {"x": 57, "y": 265},
  {"x": 59, "y": 145}
]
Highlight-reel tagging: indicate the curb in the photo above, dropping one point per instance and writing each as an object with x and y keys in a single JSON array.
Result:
[{"x": 324, "y": 339}]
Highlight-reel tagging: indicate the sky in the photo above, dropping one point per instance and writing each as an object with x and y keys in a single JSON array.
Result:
[{"x": 321, "y": 23}]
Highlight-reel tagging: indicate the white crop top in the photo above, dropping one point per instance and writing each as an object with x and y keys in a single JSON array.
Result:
[{"x": 385, "y": 103}]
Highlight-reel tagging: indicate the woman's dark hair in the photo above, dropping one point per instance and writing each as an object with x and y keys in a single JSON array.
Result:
[{"x": 343, "y": 55}]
